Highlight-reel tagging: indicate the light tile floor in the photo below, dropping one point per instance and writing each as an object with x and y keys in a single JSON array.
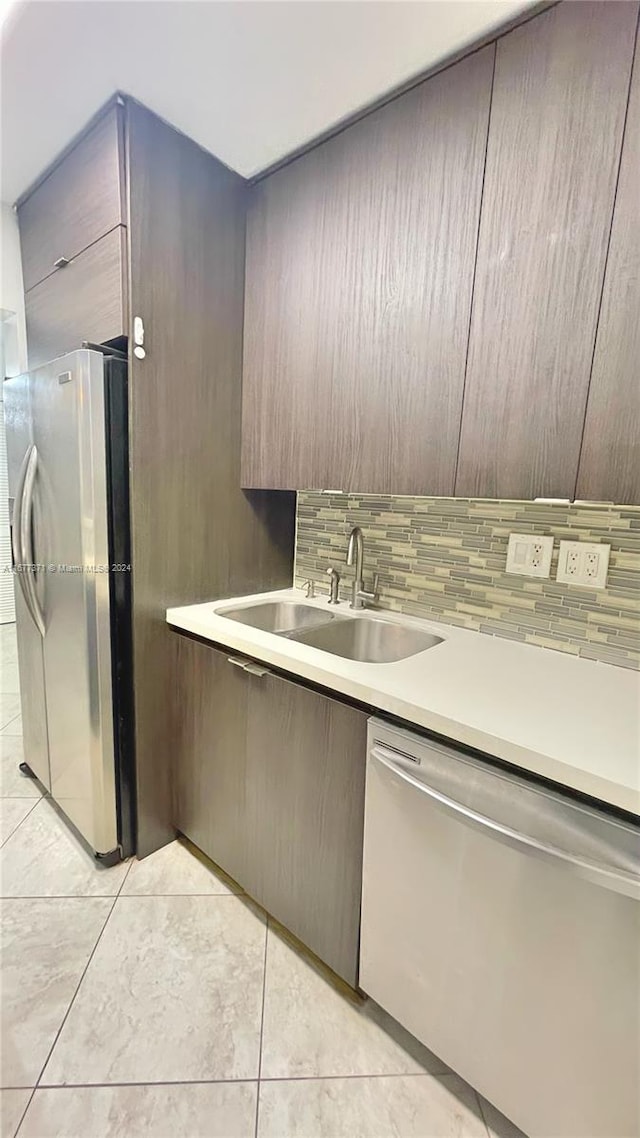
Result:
[{"x": 150, "y": 1000}]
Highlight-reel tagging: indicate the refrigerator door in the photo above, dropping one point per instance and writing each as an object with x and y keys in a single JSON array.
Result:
[
  {"x": 20, "y": 442},
  {"x": 70, "y": 525}
]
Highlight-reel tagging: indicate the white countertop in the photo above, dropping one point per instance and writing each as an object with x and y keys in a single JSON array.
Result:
[{"x": 574, "y": 721}]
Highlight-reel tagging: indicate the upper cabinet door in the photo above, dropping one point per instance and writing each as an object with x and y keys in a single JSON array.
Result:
[
  {"x": 557, "y": 116},
  {"x": 610, "y": 461},
  {"x": 84, "y": 301},
  {"x": 359, "y": 278},
  {"x": 78, "y": 202}
]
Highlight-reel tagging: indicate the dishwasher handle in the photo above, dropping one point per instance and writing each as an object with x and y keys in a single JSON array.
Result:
[{"x": 618, "y": 881}]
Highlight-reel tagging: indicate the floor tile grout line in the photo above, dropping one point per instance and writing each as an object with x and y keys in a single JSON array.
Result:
[
  {"x": 238, "y": 896},
  {"x": 108, "y": 896},
  {"x": 78, "y": 986},
  {"x": 264, "y": 990},
  {"x": 61, "y": 897},
  {"x": 13, "y": 717},
  {"x": 24, "y": 1113},
  {"x": 129, "y": 868},
  {"x": 35, "y": 801},
  {"x": 249, "y": 1079}
]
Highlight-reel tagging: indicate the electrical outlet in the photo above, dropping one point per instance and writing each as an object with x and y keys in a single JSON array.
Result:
[
  {"x": 583, "y": 563},
  {"x": 529, "y": 555}
]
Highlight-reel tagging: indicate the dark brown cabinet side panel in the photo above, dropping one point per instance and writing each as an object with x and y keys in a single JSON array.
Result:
[
  {"x": 78, "y": 202},
  {"x": 557, "y": 114},
  {"x": 610, "y": 460},
  {"x": 195, "y": 534},
  {"x": 359, "y": 276},
  {"x": 83, "y": 301},
  {"x": 306, "y": 761}
]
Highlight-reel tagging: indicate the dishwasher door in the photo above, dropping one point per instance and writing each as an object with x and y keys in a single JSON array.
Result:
[{"x": 501, "y": 926}]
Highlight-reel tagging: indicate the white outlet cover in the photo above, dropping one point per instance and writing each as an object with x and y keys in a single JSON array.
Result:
[
  {"x": 583, "y": 563},
  {"x": 529, "y": 555}
]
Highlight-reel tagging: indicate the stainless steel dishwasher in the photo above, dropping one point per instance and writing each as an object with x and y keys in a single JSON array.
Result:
[{"x": 501, "y": 926}]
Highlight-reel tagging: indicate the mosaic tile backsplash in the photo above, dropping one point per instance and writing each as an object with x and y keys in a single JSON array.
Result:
[{"x": 444, "y": 559}]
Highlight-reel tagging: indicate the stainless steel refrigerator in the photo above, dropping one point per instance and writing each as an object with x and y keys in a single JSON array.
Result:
[{"x": 66, "y": 426}]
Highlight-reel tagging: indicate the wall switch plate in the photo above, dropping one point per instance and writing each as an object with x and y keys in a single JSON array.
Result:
[
  {"x": 583, "y": 563},
  {"x": 529, "y": 555}
]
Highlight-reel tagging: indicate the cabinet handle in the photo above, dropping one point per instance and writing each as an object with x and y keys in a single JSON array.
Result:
[
  {"x": 248, "y": 666},
  {"x": 61, "y": 263}
]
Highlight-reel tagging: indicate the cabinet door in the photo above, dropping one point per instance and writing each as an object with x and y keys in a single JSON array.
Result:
[
  {"x": 358, "y": 290},
  {"x": 78, "y": 202},
  {"x": 85, "y": 300},
  {"x": 306, "y": 758},
  {"x": 210, "y": 767},
  {"x": 557, "y": 115},
  {"x": 269, "y": 783},
  {"x": 610, "y": 459}
]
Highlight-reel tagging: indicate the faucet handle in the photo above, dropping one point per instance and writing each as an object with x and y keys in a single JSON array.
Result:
[
  {"x": 371, "y": 596},
  {"x": 310, "y": 586}
]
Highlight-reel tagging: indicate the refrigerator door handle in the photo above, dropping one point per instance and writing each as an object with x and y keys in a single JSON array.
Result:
[
  {"x": 27, "y": 575},
  {"x": 15, "y": 517},
  {"x": 606, "y": 876},
  {"x": 16, "y": 548}
]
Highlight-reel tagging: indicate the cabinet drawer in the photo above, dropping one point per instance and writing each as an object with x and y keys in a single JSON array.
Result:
[
  {"x": 78, "y": 202},
  {"x": 83, "y": 301}
]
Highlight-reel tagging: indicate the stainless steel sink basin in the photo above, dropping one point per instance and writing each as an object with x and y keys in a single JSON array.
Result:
[
  {"x": 281, "y": 617},
  {"x": 368, "y": 640}
]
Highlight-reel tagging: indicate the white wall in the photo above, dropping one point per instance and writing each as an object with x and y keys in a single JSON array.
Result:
[
  {"x": 13, "y": 361},
  {"x": 11, "y": 294}
]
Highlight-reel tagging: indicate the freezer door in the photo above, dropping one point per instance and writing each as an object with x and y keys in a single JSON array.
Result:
[
  {"x": 19, "y": 431},
  {"x": 71, "y": 542},
  {"x": 501, "y": 925}
]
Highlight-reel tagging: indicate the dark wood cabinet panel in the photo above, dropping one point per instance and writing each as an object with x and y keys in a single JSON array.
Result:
[
  {"x": 610, "y": 460},
  {"x": 78, "y": 202},
  {"x": 195, "y": 534},
  {"x": 557, "y": 114},
  {"x": 83, "y": 301},
  {"x": 269, "y": 783},
  {"x": 306, "y": 759},
  {"x": 211, "y": 785},
  {"x": 359, "y": 277}
]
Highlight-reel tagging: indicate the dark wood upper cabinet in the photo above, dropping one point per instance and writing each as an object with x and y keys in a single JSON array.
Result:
[
  {"x": 557, "y": 116},
  {"x": 610, "y": 460},
  {"x": 79, "y": 201},
  {"x": 359, "y": 279},
  {"x": 86, "y": 300}
]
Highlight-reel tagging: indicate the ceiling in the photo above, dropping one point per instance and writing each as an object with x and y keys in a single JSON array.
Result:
[{"x": 250, "y": 80}]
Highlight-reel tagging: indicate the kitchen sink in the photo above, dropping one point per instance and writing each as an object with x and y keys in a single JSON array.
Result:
[
  {"x": 281, "y": 617},
  {"x": 368, "y": 640}
]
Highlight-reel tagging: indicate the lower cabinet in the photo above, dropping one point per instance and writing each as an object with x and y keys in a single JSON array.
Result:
[{"x": 269, "y": 783}]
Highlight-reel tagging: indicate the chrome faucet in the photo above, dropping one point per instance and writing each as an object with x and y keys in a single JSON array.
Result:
[{"x": 355, "y": 554}]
